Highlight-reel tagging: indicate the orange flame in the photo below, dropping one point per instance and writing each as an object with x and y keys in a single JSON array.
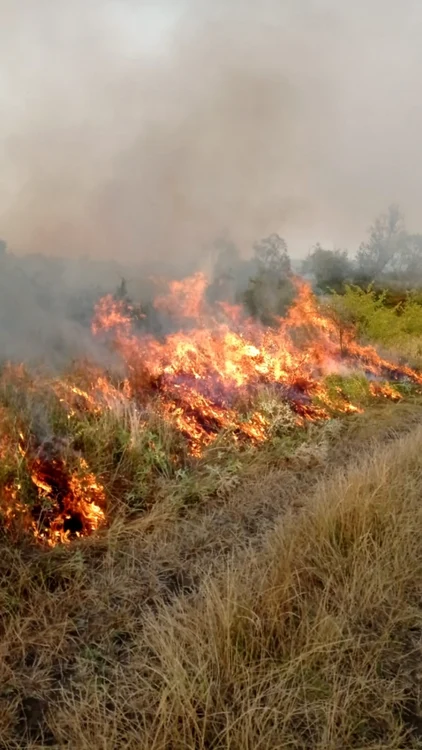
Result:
[
  {"x": 205, "y": 376},
  {"x": 219, "y": 357},
  {"x": 65, "y": 505}
]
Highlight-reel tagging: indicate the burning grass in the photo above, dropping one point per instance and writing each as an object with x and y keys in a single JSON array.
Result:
[
  {"x": 244, "y": 510},
  {"x": 230, "y": 625},
  {"x": 194, "y": 404}
]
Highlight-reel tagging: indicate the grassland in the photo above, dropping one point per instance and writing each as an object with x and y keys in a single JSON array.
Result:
[
  {"x": 274, "y": 603},
  {"x": 259, "y": 596}
]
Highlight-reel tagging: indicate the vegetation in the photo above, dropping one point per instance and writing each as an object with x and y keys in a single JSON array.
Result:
[
  {"x": 391, "y": 256},
  {"x": 397, "y": 328},
  {"x": 330, "y": 268},
  {"x": 254, "y": 596},
  {"x": 140, "y": 459},
  {"x": 270, "y": 291},
  {"x": 289, "y": 614}
]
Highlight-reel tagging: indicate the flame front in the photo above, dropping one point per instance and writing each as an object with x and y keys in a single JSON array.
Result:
[
  {"x": 219, "y": 358},
  {"x": 204, "y": 377}
]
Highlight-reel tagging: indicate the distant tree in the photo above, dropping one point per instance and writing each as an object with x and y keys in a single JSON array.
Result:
[
  {"x": 407, "y": 263},
  {"x": 226, "y": 271},
  {"x": 270, "y": 290},
  {"x": 271, "y": 255},
  {"x": 227, "y": 256},
  {"x": 3, "y": 248},
  {"x": 330, "y": 268},
  {"x": 391, "y": 254},
  {"x": 387, "y": 240}
]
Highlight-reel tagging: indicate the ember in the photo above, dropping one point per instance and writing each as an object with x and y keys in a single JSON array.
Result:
[{"x": 65, "y": 504}]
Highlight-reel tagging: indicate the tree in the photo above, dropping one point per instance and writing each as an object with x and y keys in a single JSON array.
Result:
[
  {"x": 226, "y": 258},
  {"x": 271, "y": 255},
  {"x": 407, "y": 264},
  {"x": 391, "y": 252},
  {"x": 270, "y": 290},
  {"x": 330, "y": 268},
  {"x": 337, "y": 310},
  {"x": 387, "y": 240},
  {"x": 226, "y": 271}
]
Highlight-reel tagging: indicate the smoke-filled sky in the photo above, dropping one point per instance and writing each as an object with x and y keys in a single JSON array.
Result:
[{"x": 140, "y": 131}]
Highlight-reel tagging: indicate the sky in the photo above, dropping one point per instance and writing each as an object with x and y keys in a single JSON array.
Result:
[{"x": 138, "y": 131}]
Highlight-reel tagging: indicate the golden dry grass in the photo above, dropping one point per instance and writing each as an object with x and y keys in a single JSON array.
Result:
[{"x": 287, "y": 615}]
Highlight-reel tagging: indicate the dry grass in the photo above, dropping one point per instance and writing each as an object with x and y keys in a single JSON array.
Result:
[
  {"x": 287, "y": 615},
  {"x": 408, "y": 350}
]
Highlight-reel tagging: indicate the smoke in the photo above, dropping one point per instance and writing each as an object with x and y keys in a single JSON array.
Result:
[{"x": 140, "y": 131}]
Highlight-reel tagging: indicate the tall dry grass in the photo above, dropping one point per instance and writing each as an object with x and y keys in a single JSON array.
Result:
[{"x": 191, "y": 634}]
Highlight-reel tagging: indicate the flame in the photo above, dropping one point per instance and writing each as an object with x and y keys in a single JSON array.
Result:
[
  {"x": 204, "y": 377},
  {"x": 385, "y": 390},
  {"x": 66, "y": 504},
  {"x": 218, "y": 358}
]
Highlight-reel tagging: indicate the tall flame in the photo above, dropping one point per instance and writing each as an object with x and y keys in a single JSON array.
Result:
[
  {"x": 219, "y": 357},
  {"x": 204, "y": 376}
]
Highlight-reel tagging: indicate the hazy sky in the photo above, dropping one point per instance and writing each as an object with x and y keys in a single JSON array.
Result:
[{"x": 143, "y": 130}]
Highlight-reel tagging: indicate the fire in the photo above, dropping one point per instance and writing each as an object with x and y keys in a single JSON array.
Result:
[
  {"x": 204, "y": 377},
  {"x": 385, "y": 390},
  {"x": 209, "y": 370},
  {"x": 65, "y": 504}
]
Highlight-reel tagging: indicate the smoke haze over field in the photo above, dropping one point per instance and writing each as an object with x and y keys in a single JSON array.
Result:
[{"x": 141, "y": 131}]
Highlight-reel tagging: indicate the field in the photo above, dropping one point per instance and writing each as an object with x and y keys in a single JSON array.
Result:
[{"x": 228, "y": 566}]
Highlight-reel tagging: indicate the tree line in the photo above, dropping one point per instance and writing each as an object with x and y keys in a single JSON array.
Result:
[{"x": 389, "y": 258}]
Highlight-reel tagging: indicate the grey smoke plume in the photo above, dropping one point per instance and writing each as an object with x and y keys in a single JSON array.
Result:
[{"x": 140, "y": 131}]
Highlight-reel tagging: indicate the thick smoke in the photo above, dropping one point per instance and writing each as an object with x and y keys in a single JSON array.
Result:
[
  {"x": 143, "y": 130},
  {"x": 139, "y": 132}
]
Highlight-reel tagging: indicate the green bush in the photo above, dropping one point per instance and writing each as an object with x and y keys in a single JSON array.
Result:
[{"x": 374, "y": 319}]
